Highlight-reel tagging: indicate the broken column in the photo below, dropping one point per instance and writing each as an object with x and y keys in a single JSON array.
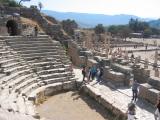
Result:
[
  {"x": 155, "y": 59},
  {"x": 156, "y": 72},
  {"x": 146, "y": 64},
  {"x": 107, "y": 43}
]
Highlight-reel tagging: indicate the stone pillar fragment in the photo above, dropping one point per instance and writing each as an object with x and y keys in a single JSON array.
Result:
[
  {"x": 146, "y": 64},
  {"x": 155, "y": 59},
  {"x": 156, "y": 72}
]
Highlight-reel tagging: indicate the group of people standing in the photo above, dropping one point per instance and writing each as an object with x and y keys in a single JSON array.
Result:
[
  {"x": 92, "y": 73},
  {"x": 95, "y": 72}
]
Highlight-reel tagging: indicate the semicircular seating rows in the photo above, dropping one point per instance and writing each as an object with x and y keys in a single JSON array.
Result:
[{"x": 26, "y": 65}]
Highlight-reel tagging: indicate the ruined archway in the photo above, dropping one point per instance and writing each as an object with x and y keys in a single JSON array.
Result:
[{"x": 12, "y": 27}]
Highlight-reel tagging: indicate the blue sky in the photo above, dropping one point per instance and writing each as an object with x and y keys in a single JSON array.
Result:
[{"x": 142, "y": 8}]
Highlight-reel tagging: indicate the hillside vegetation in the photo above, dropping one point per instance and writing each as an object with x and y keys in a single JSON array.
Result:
[
  {"x": 11, "y": 3},
  {"x": 155, "y": 23}
]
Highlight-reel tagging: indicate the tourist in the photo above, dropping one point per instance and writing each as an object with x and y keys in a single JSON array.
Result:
[
  {"x": 157, "y": 112},
  {"x": 146, "y": 46},
  {"x": 36, "y": 30},
  {"x": 89, "y": 74},
  {"x": 132, "y": 56},
  {"x": 83, "y": 73},
  {"x": 99, "y": 74},
  {"x": 131, "y": 112},
  {"x": 93, "y": 72},
  {"x": 135, "y": 90}
]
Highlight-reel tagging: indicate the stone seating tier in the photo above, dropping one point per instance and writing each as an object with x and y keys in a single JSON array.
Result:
[{"x": 30, "y": 69}]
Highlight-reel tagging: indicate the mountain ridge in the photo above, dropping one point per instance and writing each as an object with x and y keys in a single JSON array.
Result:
[{"x": 87, "y": 20}]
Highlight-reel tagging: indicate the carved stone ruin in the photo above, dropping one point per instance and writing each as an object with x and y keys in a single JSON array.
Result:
[
  {"x": 146, "y": 64},
  {"x": 155, "y": 59},
  {"x": 156, "y": 72}
]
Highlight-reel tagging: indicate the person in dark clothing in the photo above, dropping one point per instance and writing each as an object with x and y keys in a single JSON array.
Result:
[
  {"x": 135, "y": 90},
  {"x": 132, "y": 56},
  {"x": 36, "y": 30},
  {"x": 131, "y": 111},
  {"x": 84, "y": 73},
  {"x": 100, "y": 74},
  {"x": 93, "y": 72},
  {"x": 157, "y": 112},
  {"x": 89, "y": 74}
]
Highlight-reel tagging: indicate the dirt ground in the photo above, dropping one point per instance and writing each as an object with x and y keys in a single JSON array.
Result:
[{"x": 72, "y": 106}]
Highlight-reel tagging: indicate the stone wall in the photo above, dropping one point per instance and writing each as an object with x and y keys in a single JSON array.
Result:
[
  {"x": 141, "y": 74},
  {"x": 150, "y": 91},
  {"x": 73, "y": 52},
  {"x": 126, "y": 72},
  {"x": 40, "y": 96}
]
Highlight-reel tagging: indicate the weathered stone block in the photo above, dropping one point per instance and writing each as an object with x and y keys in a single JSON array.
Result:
[
  {"x": 143, "y": 90},
  {"x": 70, "y": 85},
  {"x": 152, "y": 96},
  {"x": 49, "y": 91},
  {"x": 121, "y": 68},
  {"x": 155, "y": 82}
]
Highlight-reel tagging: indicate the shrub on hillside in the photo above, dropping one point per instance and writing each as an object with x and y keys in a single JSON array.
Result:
[{"x": 10, "y": 3}]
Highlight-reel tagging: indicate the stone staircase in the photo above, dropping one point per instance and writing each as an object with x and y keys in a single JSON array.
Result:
[{"x": 26, "y": 65}]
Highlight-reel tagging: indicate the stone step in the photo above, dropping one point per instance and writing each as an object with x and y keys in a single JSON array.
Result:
[
  {"x": 43, "y": 60},
  {"x": 60, "y": 79},
  {"x": 13, "y": 38},
  {"x": 43, "y": 64},
  {"x": 3, "y": 53},
  {"x": 39, "y": 68},
  {"x": 55, "y": 75},
  {"x": 43, "y": 72},
  {"x": 25, "y": 84},
  {"x": 12, "y": 65},
  {"x": 35, "y": 41},
  {"x": 2, "y": 75},
  {"x": 5, "y": 115},
  {"x": 7, "y": 61},
  {"x": 20, "y": 80},
  {"x": 39, "y": 54},
  {"x": 32, "y": 45},
  {"x": 28, "y": 89},
  {"x": 34, "y": 48},
  {"x": 15, "y": 75},
  {"x": 16, "y": 69},
  {"x": 10, "y": 56},
  {"x": 40, "y": 57},
  {"x": 37, "y": 51}
]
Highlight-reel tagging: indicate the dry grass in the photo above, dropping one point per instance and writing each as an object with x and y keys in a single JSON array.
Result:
[{"x": 30, "y": 22}]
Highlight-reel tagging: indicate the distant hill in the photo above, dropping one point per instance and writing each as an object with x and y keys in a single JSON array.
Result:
[
  {"x": 155, "y": 23},
  {"x": 91, "y": 20}
]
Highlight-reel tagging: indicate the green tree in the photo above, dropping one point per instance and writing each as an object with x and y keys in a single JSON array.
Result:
[
  {"x": 124, "y": 31},
  {"x": 113, "y": 29},
  {"x": 147, "y": 32},
  {"x": 138, "y": 26},
  {"x": 11, "y": 3},
  {"x": 99, "y": 29},
  {"x": 69, "y": 26}
]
